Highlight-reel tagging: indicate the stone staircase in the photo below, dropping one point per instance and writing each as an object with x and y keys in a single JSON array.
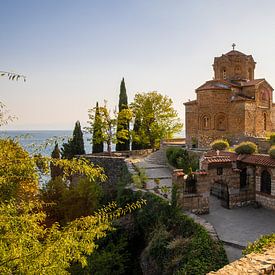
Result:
[{"x": 158, "y": 157}]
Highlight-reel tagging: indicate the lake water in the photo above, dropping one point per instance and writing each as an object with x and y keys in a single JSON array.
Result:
[{"x": 42, "y": 141}]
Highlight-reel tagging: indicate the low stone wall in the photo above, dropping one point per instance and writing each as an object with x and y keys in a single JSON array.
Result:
[
  {"x": 126, "y": 154},
  {"x": 260, "y": 263},
  {"x": 265, "y": 200},
  {"x": 194, "y": 203},
  {"x": 113, "y": 169}
]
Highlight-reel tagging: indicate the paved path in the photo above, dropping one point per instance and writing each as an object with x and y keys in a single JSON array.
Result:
[
  {"x": 237, "y": 227},
  {"x": 155, "y": 168}
]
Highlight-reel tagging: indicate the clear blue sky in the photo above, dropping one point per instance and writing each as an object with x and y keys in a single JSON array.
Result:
[{"x": 75, "y": 53}]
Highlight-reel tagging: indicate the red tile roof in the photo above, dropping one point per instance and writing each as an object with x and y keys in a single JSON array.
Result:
[
  {"x": 234, "y": 52},
  {"x": 263, "y": 160},
  {"x": 215, "y": 85},
  {"x": 225, "y": 157}
]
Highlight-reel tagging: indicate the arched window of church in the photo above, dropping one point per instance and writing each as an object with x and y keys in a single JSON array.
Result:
[
  {"x": 220, "y": 122},
  {"x": 205, "y": 122},
  {"x": 265, "y": 95},
  {"x": 238, "y": 70},
  {"x": 265, "y": 182},
  {"x": 265, "y": 120},
  {"x": 223, "y": 73}
]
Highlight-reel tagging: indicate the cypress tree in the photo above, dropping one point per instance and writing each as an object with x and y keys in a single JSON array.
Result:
[
  {"x": 122, "y": 144},
  {"x": 136, "y": 144},
  {"x": 75, "y": 145},
  {"x": 97, "y": 133},
  {"x": 56, "y": 171}
]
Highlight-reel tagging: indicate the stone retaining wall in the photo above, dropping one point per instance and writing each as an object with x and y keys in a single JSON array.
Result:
[
  {"x": 113, "y": 169},
  {"x": 260, "y": 263}
]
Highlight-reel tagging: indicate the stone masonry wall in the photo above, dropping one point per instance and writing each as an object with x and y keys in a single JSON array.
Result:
[
  {"x": 113, "y": 168},
  {"x": 260, "y": 263},
  {"x": 266, "y": 200}
]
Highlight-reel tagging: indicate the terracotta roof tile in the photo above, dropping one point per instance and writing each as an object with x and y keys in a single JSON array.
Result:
[
  {"x": 234, "y": 52},
  {"x": 263, "y": 160},
  {"x": 215, "y": 85}
]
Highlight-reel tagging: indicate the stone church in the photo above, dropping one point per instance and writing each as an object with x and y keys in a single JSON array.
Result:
[{"x": 233, "y": 105}]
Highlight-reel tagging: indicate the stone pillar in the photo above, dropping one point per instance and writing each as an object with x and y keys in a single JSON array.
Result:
[{"x": 178, "y": 178}]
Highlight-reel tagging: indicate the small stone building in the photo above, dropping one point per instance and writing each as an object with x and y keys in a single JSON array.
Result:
[
  {"x": 240, "y": 179},
  {"x": 237, "y": 180},
  {"x": 233, "y": 105}
]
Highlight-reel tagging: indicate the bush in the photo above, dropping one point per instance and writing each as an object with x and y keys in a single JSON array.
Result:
[
  {"x": 246, "y": 147},
  {"x": 259, "y": 245},
  {"x": 272, "y": 139},
  {"x": 272, "y": 151},
  {"x": 219, "y": 144},
  {"x": 172, "y": 242},
  {"x": 181, "y": 159}
]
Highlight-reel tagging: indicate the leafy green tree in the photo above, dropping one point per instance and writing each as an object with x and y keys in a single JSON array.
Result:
[
  {"x": 13, "y": 76},
  {"x": 75, "y": 145},
  {"x": 123, "y": 144},
  {"x": 137, "y": 142},
  {"x": 97, "y": 141},
  {"x": 56, "y": 171},
  {"x": 18, "y": 177},
  {"x": 68, "y": 201},
  {"x": 27, "y": 246},
  {"x": 108, "y": 125},
  {"x": 158, "y": 118}
]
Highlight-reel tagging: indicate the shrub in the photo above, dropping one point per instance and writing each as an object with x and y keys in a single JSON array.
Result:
[
  {"x": 259, "y": 245},
  {"x": 246, "y": 147},
  {"x": 219, "y": 144},
  {"x": 272, "y": 139},
  {"x": 181, "y": 159},
  {"x": 272, "y": 151}
]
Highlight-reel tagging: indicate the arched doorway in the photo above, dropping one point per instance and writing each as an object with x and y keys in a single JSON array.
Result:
[{"x": 266, "y": 182}]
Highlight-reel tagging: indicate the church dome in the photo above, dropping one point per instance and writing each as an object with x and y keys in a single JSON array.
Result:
[{"x": 234, "y": 52}]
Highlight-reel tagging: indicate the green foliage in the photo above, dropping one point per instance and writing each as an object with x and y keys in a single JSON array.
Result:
[
  {"x": 140, "y": 178},
  {"x": 137, "y": 134},
  {"x": 272, "y": 139},
  {"x": 158, "y": 119},
  {"x": 108, "y": 123},
  {"x": 97, "y": 140},
  {"x": 174, "y": 242},
  {"x": 75, "y": 145},
  {"x": 28, "y": 247},
  {"x": 67, "y": 202},
  {"x": 219, "y": 144},
  {"x": 56, "y": 171},
  {"x": 122, "y": 123},
  {"x": 246, "y": 147},
  {"x": 111, "y": 256},
  {"x": 18, "y": 174},
  {"x": 272, "y": 151},
  {"x": 5, "y": 117},
  {"x": 261, "y": 244},
  {"x": 13, "y": 76},
  {"x": 181, "y": 159}
]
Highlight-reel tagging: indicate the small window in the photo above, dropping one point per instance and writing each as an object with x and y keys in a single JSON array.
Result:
[
  {"x": 224, "y": 74},
  {"x": 219, "y": 171},
  {"x": 205, "y": 122}
]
